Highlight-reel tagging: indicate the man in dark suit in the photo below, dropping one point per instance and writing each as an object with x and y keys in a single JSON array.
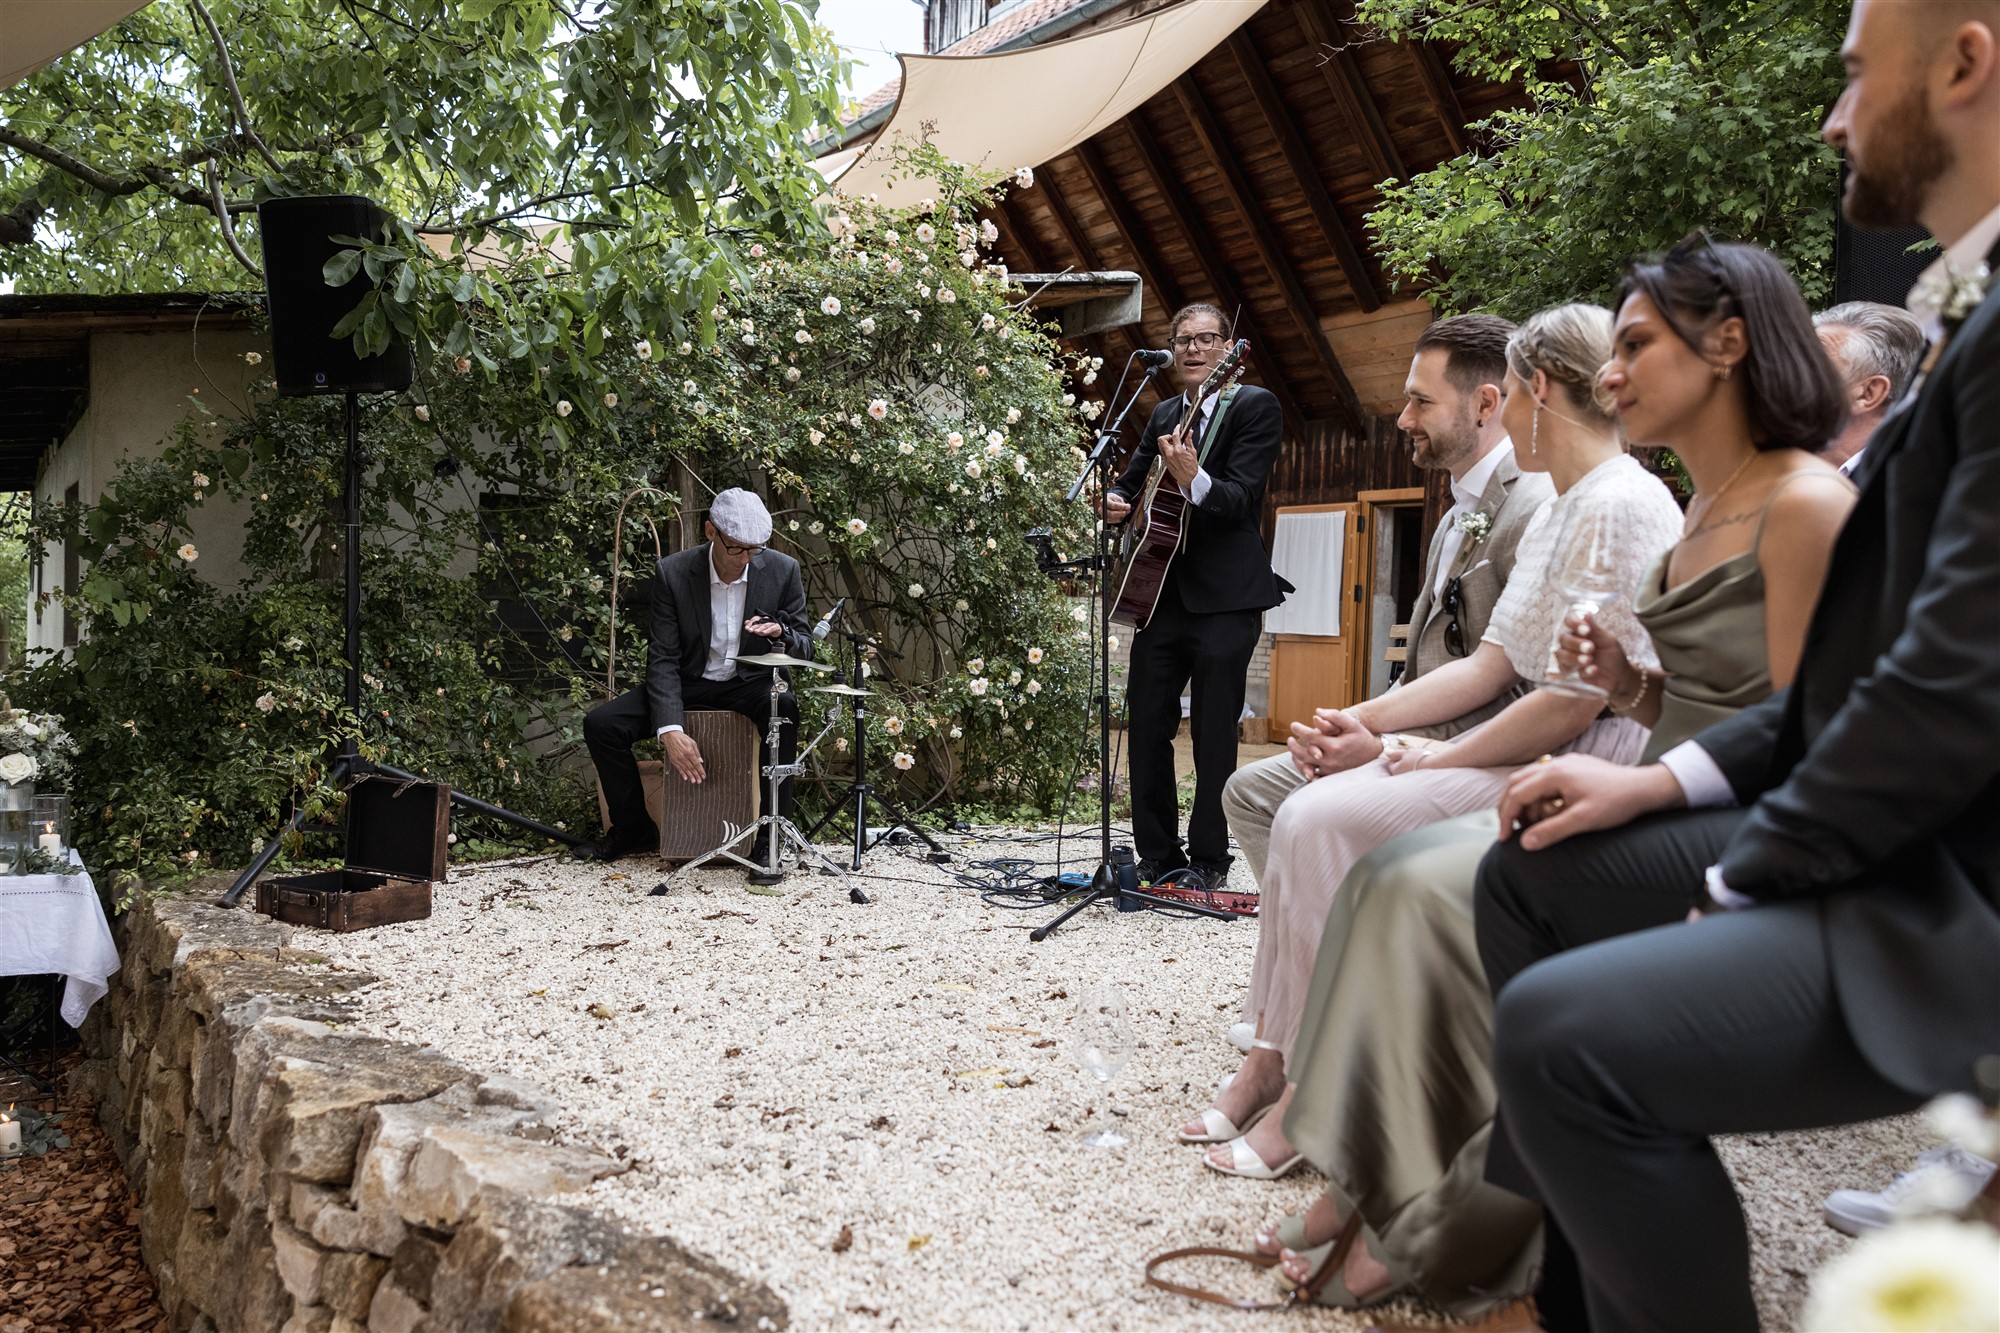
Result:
[
  {"x": 1841, "y": 841},
  {"x": 1211, "y": 609},
  {"x": 727, "y": 597}
]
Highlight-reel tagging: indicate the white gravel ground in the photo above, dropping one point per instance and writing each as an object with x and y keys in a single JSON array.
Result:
[{"x": 791, "y": 1071}]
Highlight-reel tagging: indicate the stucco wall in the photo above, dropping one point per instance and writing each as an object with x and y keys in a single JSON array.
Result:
[{"x": 142, "y": 385}]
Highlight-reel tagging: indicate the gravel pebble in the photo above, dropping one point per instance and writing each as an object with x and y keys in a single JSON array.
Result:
[{"x": 873, "y": 1107}]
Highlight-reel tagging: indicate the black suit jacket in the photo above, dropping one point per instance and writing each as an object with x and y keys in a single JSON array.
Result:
[
  {"x": 677, "y": 649},
  {"x": 1222, "y": 565},
  {"x": 1875, "y": 776}
]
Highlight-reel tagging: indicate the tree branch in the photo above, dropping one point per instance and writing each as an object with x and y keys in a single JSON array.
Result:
[
  {"x": 228, "y": 229},
  {"x": 235, "y": 97},
  {"x": 151, "y": 175}
]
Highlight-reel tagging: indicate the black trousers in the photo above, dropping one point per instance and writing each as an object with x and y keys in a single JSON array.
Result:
[
  {"x": 1623, "y": 1039},
  {"x": 610, "y": 729},
  {"x": 1214, "y": 652}
]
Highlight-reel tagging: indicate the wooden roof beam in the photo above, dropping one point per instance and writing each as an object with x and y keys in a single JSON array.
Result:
[
  {"x": 1194, "y": 107},
  {"x": 1153, "y": 165},
  {"x": 1305, "y": 172},
  {"x": 1350, "y": 90},
  {"x": 1079, "y": 243},
  {"x": 1126, "y": 224},
  {"x": 1014, "y": 233},
  {"x": 1443, "y": 97}
]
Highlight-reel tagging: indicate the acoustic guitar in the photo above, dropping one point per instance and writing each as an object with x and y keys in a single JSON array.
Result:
[{"x": 1152, "y": 534}]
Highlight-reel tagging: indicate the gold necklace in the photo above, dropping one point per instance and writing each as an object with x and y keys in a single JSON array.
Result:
[{"x": 1716, "y": 498}]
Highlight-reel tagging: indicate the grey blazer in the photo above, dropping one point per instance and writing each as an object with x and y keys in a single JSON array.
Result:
[
  {"x": 677, "y": 649},
  {"x": 1482, "y": 569}
]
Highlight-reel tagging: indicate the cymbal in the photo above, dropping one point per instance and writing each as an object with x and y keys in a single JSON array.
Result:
[
  {"x": 785, "y": 660},
  {"x": 848, "y": 690}
]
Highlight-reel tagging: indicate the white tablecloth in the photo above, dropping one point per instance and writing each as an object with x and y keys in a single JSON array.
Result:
[{"x": 55, "y": 923}]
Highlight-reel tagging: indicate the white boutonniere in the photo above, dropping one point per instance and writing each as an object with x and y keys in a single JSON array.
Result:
[
  {"x": 1474, "y": 526},
  {"x": 1953, "y": 296}
]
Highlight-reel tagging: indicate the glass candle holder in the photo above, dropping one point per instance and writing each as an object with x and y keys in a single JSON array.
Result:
[{"x": 48, "y": 825}]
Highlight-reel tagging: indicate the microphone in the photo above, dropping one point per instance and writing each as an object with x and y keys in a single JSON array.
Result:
[
  {"x": 825, "y": 626},
  {"x": 1155, "y": 357}
]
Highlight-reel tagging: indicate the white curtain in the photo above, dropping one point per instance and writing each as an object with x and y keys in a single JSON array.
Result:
[{"x": 1309, "y": 550}]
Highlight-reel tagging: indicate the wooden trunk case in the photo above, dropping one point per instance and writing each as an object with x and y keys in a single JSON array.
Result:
[{"x": 396, "y": 847}]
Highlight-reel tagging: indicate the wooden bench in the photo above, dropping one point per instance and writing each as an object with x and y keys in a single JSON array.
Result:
[{"x": 1397, "y": 655}]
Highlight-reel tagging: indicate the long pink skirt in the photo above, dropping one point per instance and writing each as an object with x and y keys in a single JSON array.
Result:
[{"x": 1330, "y": 823}]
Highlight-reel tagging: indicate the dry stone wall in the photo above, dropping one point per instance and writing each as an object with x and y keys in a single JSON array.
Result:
[{"x": 296, "y": 1176}]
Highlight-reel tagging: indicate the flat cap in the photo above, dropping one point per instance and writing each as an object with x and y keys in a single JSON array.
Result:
[{"x": 740, "y": 516}]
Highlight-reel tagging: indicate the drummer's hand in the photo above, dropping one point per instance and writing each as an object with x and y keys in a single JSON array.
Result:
[
  {"x": 763, "y": 627},
  {"x": 1114, "y": 507},
  {"x": 684, "y": 755}
]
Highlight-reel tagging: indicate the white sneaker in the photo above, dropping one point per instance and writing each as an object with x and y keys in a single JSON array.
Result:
[
  {"x": 1944, "y": 1180},
  {"x": 1241, "y": 1035}
]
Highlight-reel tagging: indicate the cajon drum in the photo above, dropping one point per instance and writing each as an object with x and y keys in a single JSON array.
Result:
[{"x": 691, "y": 818}]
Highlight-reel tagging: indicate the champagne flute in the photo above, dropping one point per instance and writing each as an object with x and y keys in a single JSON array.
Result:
[
  {"x": 1588, "y": 578},
  {"x": 1102, "y": 1043}
]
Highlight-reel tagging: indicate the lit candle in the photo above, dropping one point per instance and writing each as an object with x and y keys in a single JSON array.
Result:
[
  {"x": 49, "y": 842},
  {"x": 10, "y": 1136}
]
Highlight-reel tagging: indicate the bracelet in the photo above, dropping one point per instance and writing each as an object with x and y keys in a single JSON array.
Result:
[{"x": 1645, "y": 684}]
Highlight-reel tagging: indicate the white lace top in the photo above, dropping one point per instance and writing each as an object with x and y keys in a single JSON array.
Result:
[{"x": 1646, "y": 521}]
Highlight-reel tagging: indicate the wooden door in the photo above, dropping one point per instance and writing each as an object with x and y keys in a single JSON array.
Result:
[{"x": 1312, "y": 634}]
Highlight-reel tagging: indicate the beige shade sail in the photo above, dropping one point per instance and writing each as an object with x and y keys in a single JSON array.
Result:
[
  {"x": 1022, "y": 108},
  {"x": 35, "y": 32}
]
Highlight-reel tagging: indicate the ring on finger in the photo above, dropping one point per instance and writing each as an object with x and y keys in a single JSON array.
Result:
[{"x": 1555, "y": 803}]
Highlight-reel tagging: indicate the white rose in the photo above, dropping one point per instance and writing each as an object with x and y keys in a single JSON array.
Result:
[
  {"x": 961, "y": 605},
  {"x": 645, "y": 349},
  {"x": 891, "y": 237},
  {"x": 188, "y": 553},
  {"x": 977, "y": 666},
  {"x": 987, "y": 321},
  {"x": 611, "y": 400},
  {"x": 916, "y": 590},
  {"x": 995, "y": 438},
  {"x": 947, "y": 295},
  {"x": 957, "y": 732},
  {"x": 926, "y": 233},
  {"x": 17, "y": 768},
  {"x": 266, "y": 702},
  {"x": 791, "y": 374},
  {"x": 801, "y": 337},
  {"x": 905, "y": 760},
  {"x": 906, "y": 448},
  {"x": 878, "y": 408},
  {"x": 816, "y": 436},
  {"x": 892, "y": 266},
  {"x": 953, "y": 440},
  {"x": 867, "y": 324},
  {"x": 893, "y": 725},
  {"x": 830, "y": 306},
  {"x": 563, "y": 408},
  {"x": 1034, "y": 687},
  {"x": 1034, "y": 656},
  {"x": 972, "y": 468},
  {"x": 855, "y": 527},
  {"x": 1025, "y": 177},
  {"x": 977, "y": 685}
]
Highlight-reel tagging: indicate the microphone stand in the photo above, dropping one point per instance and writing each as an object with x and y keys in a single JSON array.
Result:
[{"x": 1117, "y": 876}]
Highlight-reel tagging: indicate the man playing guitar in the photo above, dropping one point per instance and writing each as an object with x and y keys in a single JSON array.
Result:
[{"x": 1210, "y": 610}]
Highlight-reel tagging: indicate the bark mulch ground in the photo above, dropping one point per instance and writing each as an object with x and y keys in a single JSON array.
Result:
[{"x": 69, "y": 1238}]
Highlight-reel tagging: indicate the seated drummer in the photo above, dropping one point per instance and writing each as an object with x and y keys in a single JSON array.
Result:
[{"x": 726, "y": 596}]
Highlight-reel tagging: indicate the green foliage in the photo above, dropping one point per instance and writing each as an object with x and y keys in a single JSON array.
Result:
[
  {"x": 1685, "y": 113},
  {"x": 656, "y": 137},
  {"x": 906, "y": 423}
]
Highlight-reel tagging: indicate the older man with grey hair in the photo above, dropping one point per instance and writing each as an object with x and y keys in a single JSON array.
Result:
[
  {"x": 730, "y": 597},
  {"x": 1875, "y": 348}
]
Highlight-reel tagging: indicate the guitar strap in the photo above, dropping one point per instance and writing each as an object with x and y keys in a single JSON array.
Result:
[{"x": 1222, "y": 403}]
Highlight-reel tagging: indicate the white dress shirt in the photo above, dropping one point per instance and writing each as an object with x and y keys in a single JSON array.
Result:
[
  {"x": 726, "y": 603},
  {"x": 1700, "y": 777},
  {"x": 1466, "y": 492},
  {"x": 1198, "y": 488}
]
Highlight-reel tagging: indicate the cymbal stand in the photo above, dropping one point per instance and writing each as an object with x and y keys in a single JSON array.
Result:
[
  {"x": 861, "y": 791},
  {"x": 784, "y": 833}
]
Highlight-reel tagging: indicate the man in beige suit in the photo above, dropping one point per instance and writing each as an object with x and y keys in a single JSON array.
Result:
[{"x": 1453, "y": 419}]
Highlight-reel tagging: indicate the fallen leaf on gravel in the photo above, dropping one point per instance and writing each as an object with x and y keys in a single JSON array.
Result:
[
  {"x": 869, "y": 1310},
  {"x": 844, "y": 1241},
  {"x": 1026, "y": 1032},
  {"x": 599, "y": 1011},
  {"x": 879, "y": 1122},
  {"x": 1017, "y": 1080},
  {"x": 609, "y": 945},
  {"x": 613, "y": 879},
  {"x": 543, "y": 991},
  {"x": 993, "y": 1071},
  {"x": 732, "y": 1052},
  {"x": 1052, "y": 1128},
  {"x": 1044, "y": 1043},
  {"x": 918, "y": 1242}
]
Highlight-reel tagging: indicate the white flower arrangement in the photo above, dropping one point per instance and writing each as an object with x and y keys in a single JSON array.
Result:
[
  {"x": 34, "y": 747},
  {"x": 1933, "y": 1274}
]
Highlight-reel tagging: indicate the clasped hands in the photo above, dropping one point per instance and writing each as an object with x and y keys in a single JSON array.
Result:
[
  {"x": 682, "y": 752},
  {"x": 1333, "y": 743}
]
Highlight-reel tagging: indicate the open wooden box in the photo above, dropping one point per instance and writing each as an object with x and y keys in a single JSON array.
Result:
[{"x": 396, "y": 841}]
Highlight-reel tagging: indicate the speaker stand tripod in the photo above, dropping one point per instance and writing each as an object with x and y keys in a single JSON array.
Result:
[
  {"x": 348, "y": 766},
  {"x": 861, "y": 791}
]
